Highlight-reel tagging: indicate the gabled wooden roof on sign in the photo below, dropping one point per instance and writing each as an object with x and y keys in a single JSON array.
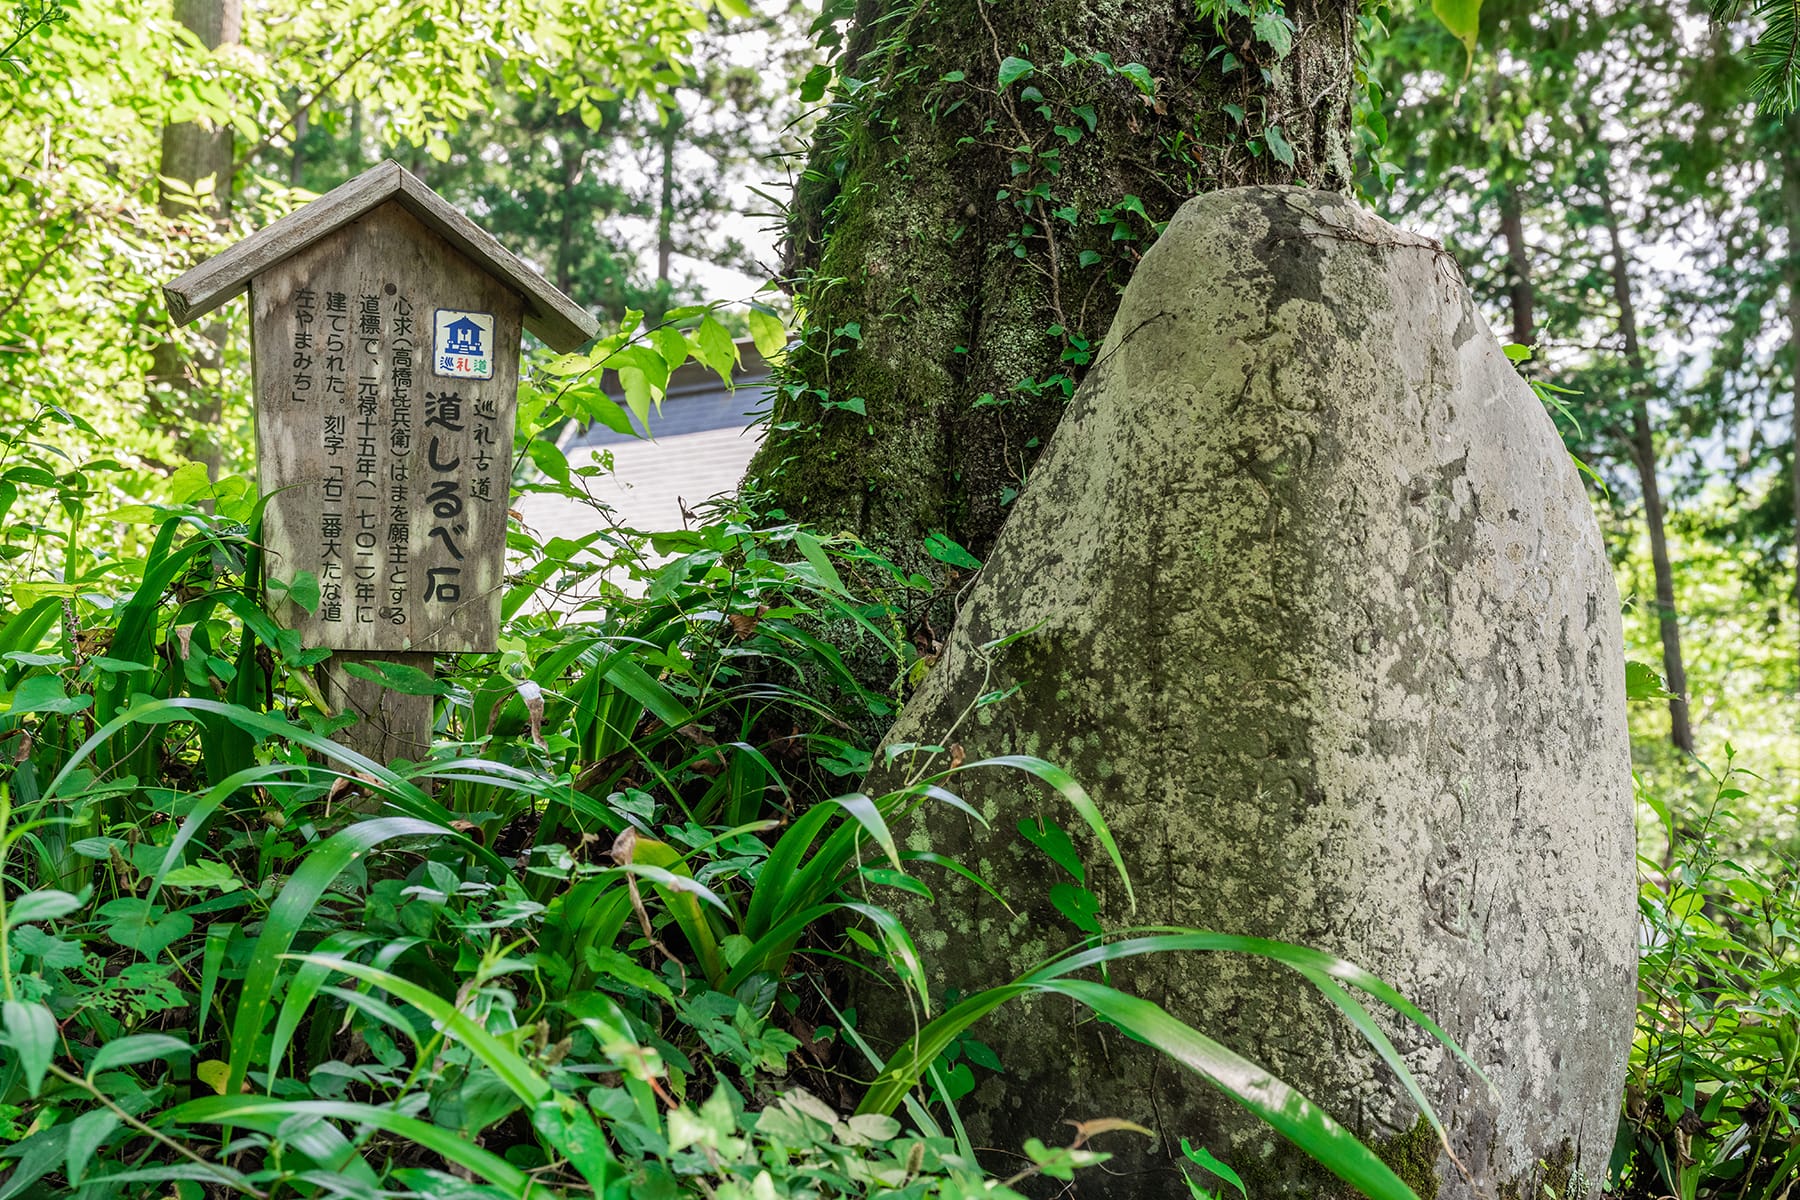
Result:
[{"x": 558, "y": 321}]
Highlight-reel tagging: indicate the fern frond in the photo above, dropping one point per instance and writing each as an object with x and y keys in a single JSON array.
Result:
[{"x": 1775, "y": 57}]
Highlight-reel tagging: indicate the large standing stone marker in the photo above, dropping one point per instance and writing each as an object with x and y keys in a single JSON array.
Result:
[
  {"x": 1321, "y": 615},
  {"x": 385, "y": 333}
]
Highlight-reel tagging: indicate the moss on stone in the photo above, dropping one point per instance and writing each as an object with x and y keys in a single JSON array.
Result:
[{"x": 1413, "y": 1156}]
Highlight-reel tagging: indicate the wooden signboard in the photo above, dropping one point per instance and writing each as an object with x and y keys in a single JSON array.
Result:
[{"x": 385, "y": 341}]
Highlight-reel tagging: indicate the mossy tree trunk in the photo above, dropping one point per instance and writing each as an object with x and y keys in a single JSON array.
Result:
[{"x": 988, "y": 178}]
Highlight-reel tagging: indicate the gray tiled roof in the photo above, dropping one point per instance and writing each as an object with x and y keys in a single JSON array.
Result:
[{"x": 702, "y": 442}]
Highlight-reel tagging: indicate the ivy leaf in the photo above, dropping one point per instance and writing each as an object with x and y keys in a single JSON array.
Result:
[
  {"x": 812, "y": 88},
  {"x": 303, "y": 590},
  {"x": 1278, "y": 145},
  {"x": 1014, "y": 69},
  {"x": 44, "y": 694},
  {"x": 1274, "y": 30},
  {"x": 1049, "y": 837},
  {"x": 940, "y": 547},
  {"x": 1139, "y": 75},
  {"x": 1078, "y": 904}
]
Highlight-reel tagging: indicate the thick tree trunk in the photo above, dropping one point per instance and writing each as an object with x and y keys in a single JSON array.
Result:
[
  {"x": 1643, "y": 457},
  {"x": 970, "y": 213},
  {"x": 193, "y": 153}
]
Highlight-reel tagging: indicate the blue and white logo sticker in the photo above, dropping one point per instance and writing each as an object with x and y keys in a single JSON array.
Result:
[{"x": 462, "y": 344}]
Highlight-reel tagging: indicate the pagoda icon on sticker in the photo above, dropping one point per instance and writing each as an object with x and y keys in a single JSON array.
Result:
[{"x": 462, "y": 344}]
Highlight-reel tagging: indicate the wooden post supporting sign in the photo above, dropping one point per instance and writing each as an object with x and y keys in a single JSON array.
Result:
[{"x": 385, "y": 344}]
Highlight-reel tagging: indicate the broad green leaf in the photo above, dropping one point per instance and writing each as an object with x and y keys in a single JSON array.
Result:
[
  {"x": 56, "y": 952},
  {"x": 768, "y": 332},
  {"x": 1203, "y": 1158},
  {"x": 44, "y": 694},
  {"x": 40, "y": 906},
  {"x": 1013, "y": 69},
  {"x": 638, "y": 394},
  {"x": 714, "y": 347},
  {"x": 1463, "y": 19},
  {"x": 814, "y": 553},
  {"x": 137, "y": 1048},
  {"x": 941, "y": 547},
  {"x": 1643, "y": 682},
  {"x": 31, "y": 1032},
  {"x": 207, "y": 874},
  {"x": 267, "y": 1112},
  {"x": 1278, "y": 145},
  {"x": 87, "y": 1133}
]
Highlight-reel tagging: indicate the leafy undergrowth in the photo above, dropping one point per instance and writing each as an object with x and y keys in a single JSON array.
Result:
[
  {"x": 587, "y": 948},
  {"x": 1709, "y": 1102}
]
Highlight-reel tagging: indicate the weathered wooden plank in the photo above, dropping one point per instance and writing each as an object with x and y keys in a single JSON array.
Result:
[
  {"x": 390, "y": 472},
  {"x": 552, "y": 317},
  {"x": 557, "y": 320},
  {"x": 226, "y": 275}
]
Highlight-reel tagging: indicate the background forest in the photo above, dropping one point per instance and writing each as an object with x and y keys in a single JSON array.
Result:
[{"x": 597, "y": 943}]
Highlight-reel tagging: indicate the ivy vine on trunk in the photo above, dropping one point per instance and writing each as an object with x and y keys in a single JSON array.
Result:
[{"x": 986, "y": 179}]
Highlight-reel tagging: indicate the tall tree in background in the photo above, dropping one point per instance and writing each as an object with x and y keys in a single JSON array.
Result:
[
  {"x": 197, "y": 167},
  {"x": 984, "y": 181},
  {"x": 1524, "y": 133}
]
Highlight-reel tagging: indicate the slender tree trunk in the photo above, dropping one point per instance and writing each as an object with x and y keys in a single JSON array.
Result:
[
  {"x": 970, "y": 213},
  {"x": 1518, "y": 268},
  {"x": 297, "y": 157},
  {"x": 1643, "y": 457},
  {"x": 665, "y": 209},
  {"x": 572, "y": 152},
  {"x": 1790, "y": 181},
  {"x": 193, "y": 153}
]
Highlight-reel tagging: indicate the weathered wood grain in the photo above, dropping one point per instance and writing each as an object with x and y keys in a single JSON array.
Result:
[
  {"x": 557, "y": 320},
  {"x": 390, "y": 481}
]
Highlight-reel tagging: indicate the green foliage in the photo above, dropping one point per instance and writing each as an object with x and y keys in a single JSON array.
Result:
[
  {"x": 1775, "y": 54},
  {"x": 1709, "y": 1107},
  {"x": 575, "y": 949}
]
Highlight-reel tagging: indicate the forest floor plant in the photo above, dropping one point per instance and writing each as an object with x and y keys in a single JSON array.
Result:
[
  {"x": 1715, "y": 1067},
  {"x": 586, "y": 947}
]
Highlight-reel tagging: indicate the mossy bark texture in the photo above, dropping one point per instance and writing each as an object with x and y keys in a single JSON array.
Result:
[
  {"x": 988, "y": 178},
  {"x": 1317, "y": 609}
]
